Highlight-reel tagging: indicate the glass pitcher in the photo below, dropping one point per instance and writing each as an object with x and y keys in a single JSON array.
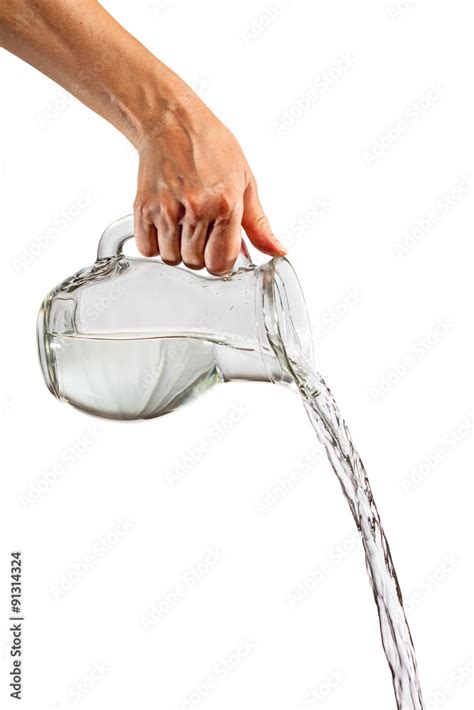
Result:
[{"x": 134, "y": 338}]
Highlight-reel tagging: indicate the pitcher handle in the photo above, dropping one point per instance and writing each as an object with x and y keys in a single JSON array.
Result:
[{"x": 116, "y": 234}]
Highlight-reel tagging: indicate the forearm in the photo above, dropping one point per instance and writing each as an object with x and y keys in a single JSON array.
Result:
[{"x": 81, "y": 47}]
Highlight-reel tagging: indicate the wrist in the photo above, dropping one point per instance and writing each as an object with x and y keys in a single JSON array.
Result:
[{"x": 156, "y": 102}]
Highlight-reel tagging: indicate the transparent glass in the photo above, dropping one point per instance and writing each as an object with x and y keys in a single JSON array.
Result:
[{"x": 134, "y": 338}]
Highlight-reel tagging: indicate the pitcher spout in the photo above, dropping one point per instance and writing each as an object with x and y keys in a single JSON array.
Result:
[{"x": 266, "y": 340}]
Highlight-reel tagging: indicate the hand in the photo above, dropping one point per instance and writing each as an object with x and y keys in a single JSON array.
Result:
[{"x": 195, "y": 190}]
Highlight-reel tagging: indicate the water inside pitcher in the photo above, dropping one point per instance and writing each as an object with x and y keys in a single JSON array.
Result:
[{"x": 134, "y": 338}]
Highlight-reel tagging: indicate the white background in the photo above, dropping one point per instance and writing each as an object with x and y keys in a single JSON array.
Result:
[{"x": 354, "y": 117}]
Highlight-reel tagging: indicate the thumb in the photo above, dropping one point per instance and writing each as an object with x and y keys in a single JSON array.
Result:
[{"x": 257, "y": 226}]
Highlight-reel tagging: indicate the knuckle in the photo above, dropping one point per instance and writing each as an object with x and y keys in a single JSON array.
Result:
[
  {"x": 140, "y": 200},
  {"x": 223, "y": 221},
  {"x": 147, "y": 209},
  {"x": 169, "y": 214},
  {"x": 225, "y": 203},
  {"x": 151, "y": 206},
  {"x": 202, "y": 205},
  {"x": 169, "y": 207},
  {"x": 195, "y": 206}
]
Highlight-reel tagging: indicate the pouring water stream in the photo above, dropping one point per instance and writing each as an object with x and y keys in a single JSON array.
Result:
[{"x": 333, "y": 433}]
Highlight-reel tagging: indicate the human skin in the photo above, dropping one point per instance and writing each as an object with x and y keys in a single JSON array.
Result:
[{"x": 195, "y": 187}]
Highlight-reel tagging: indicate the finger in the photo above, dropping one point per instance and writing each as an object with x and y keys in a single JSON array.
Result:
[
  {"x": 145, "y": 236},
  {"x": 193, "y": 242},
  {"x": 223, "y": 244},
  {"x": 169, "y": 232},
  {"x": 257, "y": 226},
  {"x": 168, "y": 243}
]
